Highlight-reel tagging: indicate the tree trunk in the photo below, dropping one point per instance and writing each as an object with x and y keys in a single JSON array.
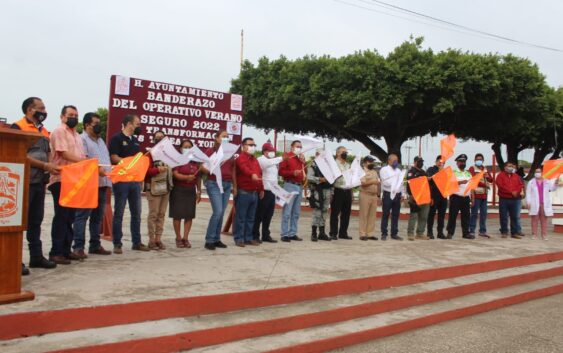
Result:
[
  {"x": 496, "y": 147},
  {"x": 394, "y": 144},
  {"x": 372, "y": 146},
  {"x": 512, "y": 152},
  {"x": 539, "y": 155},
  {"x": 556, "y": 153}
]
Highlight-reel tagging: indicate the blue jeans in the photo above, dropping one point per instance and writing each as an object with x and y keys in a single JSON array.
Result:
[
  {"x": 510, "y": 207},
  {"x": 392, "y": 207},
  {"x": 245, "y": 206},
  {"x": 123, "y": 192},
  {"x": 291, "y": 211},
  {"x": 61, "y": 227},
  {"x": 96, "y": 216},
  {"x": 219, "y": 203},
  {"x": 479, "y": 207}
]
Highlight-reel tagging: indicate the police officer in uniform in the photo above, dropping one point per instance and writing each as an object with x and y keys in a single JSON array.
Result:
[
  {"x": 418, "y": 213},
  {"x": 460, "y": 203},
  {"x": 320, "y": 191}
]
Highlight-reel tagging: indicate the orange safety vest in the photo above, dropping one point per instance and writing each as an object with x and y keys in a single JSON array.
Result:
[{"x": 25, "y": 125}]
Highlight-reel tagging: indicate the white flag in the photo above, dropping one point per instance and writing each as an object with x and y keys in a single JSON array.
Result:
[
  {"x": 398, "y": 184},
  {"x": 308, "y": 143},
  {"x": 353, "y": 176},
  {"x": 165, "y": 152},
  {"x": 327, "y": 165},
  {"x": 282, "y": 196}
]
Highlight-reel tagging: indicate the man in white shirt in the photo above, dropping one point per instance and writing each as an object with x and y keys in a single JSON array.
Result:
[
  {"x": 265, "y": 210},
  {"x": 341, "y": 205},
  {"x": 391, "y": 184}
]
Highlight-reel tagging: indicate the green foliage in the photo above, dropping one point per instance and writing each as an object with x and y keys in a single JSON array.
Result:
[
  {"x": 410, "y": 92},
  {"x": 103, "y": 113}
]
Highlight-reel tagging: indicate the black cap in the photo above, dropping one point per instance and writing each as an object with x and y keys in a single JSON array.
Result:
[
  {"x": 369, "y": 158},
  {"x": 418, "y": 158},
  {"x": 461, "y": 157}
]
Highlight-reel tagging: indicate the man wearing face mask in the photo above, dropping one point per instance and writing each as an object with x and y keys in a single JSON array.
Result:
[
  {"x": 510, "y": 187},
  {"x": 439, "y": 203},
  {"x": 459, "y": 203},
  {"x": 266, "y": 205},
  {"x": 418, "y": 213},
  {"x": 66, "y": 148},
  {"x": 121, "y": 145},
  {"x": 38, "y": 157},
  {"x": 479, "y": 197},
  {"x": 249, "y": 190},
  {"x": 391, "y": 206},
  {"x": 292, "y": 169},
  {"x": 94, "y": 147},
  {"x": 341, "y": 205},
  {"x": 319, "y": 199}
]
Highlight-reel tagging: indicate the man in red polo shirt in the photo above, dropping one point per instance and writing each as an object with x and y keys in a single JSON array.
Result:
[
  {"x": 510, "y": 187},
  {"x": 292, "y": 169},
  {"x": 249, "y": 189}
]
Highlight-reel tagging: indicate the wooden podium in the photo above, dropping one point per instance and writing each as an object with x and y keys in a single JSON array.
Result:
[{"x": 14, "y": 183}]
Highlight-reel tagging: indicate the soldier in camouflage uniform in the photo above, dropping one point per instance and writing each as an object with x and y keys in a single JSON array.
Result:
[{"x": 320, "y": 194}]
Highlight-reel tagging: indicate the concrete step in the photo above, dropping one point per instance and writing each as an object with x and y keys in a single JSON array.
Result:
[{"x": 304, "y": 311}]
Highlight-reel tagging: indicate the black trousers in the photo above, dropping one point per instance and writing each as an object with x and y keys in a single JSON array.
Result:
[
  {"x": 341, "y": 206},
  {"x": 440, "y": 206},
  {"x": 61, "y": 227},
  {"x": 264, "y": 214},
  {"x": 459, "y": 204},
  {"x": 35, "y": 213}
]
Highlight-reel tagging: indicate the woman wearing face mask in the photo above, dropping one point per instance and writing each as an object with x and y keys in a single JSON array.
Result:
[
  {"x": 370, "y": 190},
  {"x": 158, "y": 183},
  {"x": 539, "y": 202},
  {"x": 184, "y": 197}
]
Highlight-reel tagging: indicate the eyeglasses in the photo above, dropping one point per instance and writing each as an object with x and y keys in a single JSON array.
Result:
[{"x": 251, "y": 145}]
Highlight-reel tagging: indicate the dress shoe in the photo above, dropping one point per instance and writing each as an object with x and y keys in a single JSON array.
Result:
[
  {"x": 74, "y": 257},
  {"x": 484, "y": 235},
  {"x": 450, "y": 236},
  {"x": 219, "y": 244},
  {"x": 442, "y": 236},
  {"x": 373, "y": 238},
  {"x": 59, "y": 260},
  {"x": 504, "y": 235},
  {"x": 430, "y": 236},
  {"x": 334, "y": 237},
  {"x": 117, "y": 249},
  {"x": 384, "y": 237},
  {"x": 25, "y": 270},
  {"x": 285, "y": 239},
  {"x": 240, "y": 244},
  {"x": 253, "y": 243},
  {"x": 41, "y": 262},
  {"x": 80, "y": 253},
  {"x": 99, "y": 251},
  {"x": 296, "y": 238},
  {"x": 515, "y": 236},
  {"x": 140, "y": 247},
  {"x": 396, "y": 237},
  {"x": 210, "y": 246},
  {"x": 363, "y": 238},
  {"x": 468, "y": 236},
  {"x": 345, "y": 236},
  {"x": 269, "y": 240}
]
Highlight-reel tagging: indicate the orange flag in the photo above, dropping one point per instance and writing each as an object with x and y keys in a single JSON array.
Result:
[
  {"x": 447, "y": 145},
  {"x": 474, "y": 182},
  {"x": 552, "y": 168},
  {"x": 420, "y": 190},
  {"x": 79, "y": 184},
  {"x": 446, "y": 181},
  {"x": 129, "y": 169}
]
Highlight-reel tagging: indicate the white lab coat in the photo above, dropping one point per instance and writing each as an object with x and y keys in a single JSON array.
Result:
[{"x": 533, "y": 197}]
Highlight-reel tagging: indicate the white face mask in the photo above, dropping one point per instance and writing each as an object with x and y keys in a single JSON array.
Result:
[
  {"x": 270, "y": 154},
  {"x": 224, "y": 140},
  {"x": 185, "y": 150},
  {"x": 251, "y": 149},
  {"x": 297, "y": 150},
  {"x": 537, "y": 175}
]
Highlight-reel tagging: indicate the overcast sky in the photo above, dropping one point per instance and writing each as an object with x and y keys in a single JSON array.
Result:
[{"x": 66, "y": 51}]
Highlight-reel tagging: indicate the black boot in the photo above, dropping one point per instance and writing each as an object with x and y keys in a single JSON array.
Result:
[
  {"x": 25, "y": 270},
  {"x": 323, "y": 235},
  {"x": 314, "y": 234}
]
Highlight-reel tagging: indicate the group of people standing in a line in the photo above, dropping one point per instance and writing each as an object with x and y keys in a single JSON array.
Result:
[{"x": 250, "y": 180}]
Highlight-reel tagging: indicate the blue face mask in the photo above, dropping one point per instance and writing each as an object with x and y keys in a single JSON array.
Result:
[
  {"x": 479, "y": 163},
  {"x": 395, "y": 164}
]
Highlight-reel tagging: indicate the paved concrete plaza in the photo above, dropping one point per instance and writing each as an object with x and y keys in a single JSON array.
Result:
[{"x": 140, "y": 276}]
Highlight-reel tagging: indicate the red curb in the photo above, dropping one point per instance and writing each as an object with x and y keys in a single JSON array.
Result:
[
  {"x": 342, "y": 341},
  {"x": 42, "y": 322},
  {"x": 220, "y": 335}
]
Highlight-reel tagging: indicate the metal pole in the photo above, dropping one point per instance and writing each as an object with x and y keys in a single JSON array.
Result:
[
  {"x": 494, "y": 180},
  {"x": 241, "y": 47}
]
